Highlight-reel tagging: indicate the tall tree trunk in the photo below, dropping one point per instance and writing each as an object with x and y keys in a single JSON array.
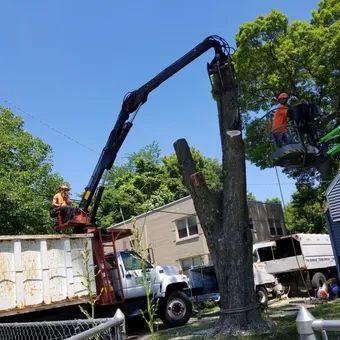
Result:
[{"x": 224, "y": 217}]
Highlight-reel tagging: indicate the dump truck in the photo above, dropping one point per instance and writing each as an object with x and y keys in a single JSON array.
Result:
[
  {"x": 299, "y": 260},
  {"x": 40, "y": 273}
]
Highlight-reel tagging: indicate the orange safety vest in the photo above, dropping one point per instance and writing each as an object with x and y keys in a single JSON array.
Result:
[
  {"x": 59, "y": 199},
  {"x": 280, "y": 119}
]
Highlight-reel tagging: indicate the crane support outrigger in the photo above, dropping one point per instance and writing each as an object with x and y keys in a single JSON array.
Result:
[{"x": 131, "y": 104}]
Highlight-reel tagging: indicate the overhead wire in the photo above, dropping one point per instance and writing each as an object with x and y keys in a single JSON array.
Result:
[{"x": 48, "y": 125}]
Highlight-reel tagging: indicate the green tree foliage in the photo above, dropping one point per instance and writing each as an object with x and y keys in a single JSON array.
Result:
[
  {"x": 150, "y": 153},
  {"x": 272, "y": 200},
  {"x": 148, "y": 181},
  {"x": 211, "y": 169},
  {"x": 26, "y": 181},
  {"x": 300, "y": 58},
  {"x": 306, "y": 211},
  {"x": 303, "y": 59},
  {"x": 250, "y": 196}
]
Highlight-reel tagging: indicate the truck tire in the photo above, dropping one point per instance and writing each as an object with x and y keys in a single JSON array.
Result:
[
  {"x": 318, "y": 280},
  {"x": 262, "y": 296},
  {"x": 177, "y": 310}
]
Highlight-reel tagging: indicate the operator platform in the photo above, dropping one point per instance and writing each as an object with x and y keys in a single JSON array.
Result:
[{"x": 301, "y": 144}]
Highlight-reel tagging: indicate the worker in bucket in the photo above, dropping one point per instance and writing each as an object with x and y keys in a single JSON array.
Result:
[
  {"x": 61, "y": 203},
  {"x": 279, "y": 124}
]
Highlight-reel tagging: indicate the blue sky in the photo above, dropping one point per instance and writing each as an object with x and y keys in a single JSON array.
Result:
[{"x": 65, "y": 66}]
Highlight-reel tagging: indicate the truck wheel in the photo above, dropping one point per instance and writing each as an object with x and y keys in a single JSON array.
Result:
[
  {"x": 318, "y": 280},
  {"x": 262, "y": 296},
  {"x": 177, "y": 310}
]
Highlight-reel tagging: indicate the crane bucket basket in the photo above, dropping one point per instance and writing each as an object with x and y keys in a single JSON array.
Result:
[{"x": 293, "y": 144}]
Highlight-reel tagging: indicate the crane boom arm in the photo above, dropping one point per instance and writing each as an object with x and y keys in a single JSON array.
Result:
[{"x": 132, "y": 103}]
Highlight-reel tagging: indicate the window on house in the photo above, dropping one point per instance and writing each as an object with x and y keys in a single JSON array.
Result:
[
  {"x": 275, "y": 226},
  {"x": 278, "y": 226},
  {"x": 187, "y": 227},
  {"x": 272, "y": 229},
  {"x": 251, "y": 223},
  {"x": 189, "y": 262}
]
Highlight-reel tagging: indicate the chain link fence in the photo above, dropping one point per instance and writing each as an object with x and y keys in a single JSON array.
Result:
[{"x": 113, "y": 329}]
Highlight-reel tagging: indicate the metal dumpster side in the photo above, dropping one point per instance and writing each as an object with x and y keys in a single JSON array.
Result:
[{"x": 42, "y": 271}]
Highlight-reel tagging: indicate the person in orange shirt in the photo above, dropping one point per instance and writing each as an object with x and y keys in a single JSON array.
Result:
[
  {"x": 279, "y": 124},
  {"x": 61, "y": 203}
]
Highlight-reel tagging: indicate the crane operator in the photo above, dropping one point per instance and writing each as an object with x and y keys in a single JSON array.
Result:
[
  {"x": 279, "y": 125},
  {"x": 61, "y": 203}
]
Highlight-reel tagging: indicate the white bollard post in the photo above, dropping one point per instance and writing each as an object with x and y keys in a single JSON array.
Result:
[
  {"x": 119, "y": 314},
  {"x": 304, "y": 322}
]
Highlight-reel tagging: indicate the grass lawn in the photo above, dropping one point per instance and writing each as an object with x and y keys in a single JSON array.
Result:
[{"x": 285, "y": 326}]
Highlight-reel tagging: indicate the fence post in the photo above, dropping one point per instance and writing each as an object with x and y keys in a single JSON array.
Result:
[
  {"x": 304, "y": 324},
  {"x": 120, "y": 315}
]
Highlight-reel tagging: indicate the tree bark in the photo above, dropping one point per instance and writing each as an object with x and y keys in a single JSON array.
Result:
[{"x": 224, "y": 217}]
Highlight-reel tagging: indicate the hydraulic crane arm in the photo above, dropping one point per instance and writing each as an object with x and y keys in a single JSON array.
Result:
[{"x": 132, "y": 103}]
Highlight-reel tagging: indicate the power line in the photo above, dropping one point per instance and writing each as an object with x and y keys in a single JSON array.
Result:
[
  {"x": 72, "y": 139},
  {"x": 279, "y": 183},
  {"x": 48, "y": 125},
  {"x": 282, "y": 184}
]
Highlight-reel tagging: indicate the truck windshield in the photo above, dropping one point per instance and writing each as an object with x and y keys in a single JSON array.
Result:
[
  {"x": 286, "y": 247},
  {"x": 133, "y": 261}
]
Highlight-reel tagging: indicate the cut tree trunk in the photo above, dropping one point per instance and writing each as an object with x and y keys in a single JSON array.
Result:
[{"x": 224, "y": 217}]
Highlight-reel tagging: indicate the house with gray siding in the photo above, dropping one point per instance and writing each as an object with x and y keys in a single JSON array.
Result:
[{"x": 175, "y": 235}]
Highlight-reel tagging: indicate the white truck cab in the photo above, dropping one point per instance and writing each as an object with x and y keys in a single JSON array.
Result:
[{"x": 166, "y": 284}]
